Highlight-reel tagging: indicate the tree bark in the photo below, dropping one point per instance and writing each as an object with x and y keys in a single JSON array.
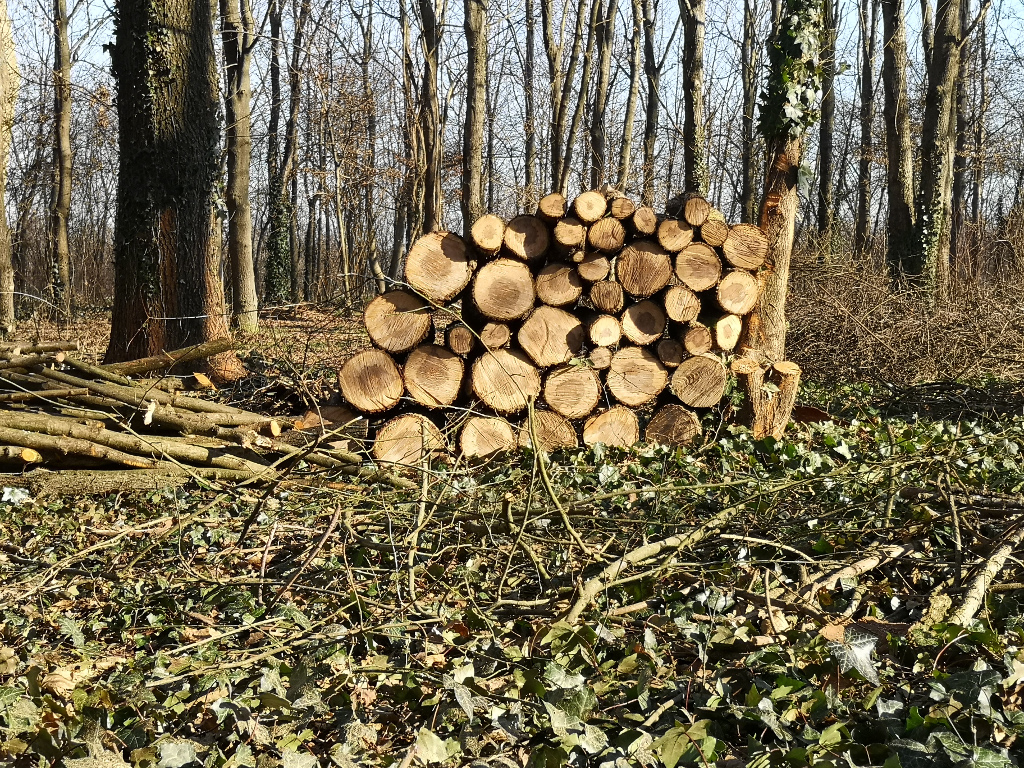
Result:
[
  {"x": 896, "y": 113},
  {"x": 693, "y": 13},
  {"x": 826, "y": 141},
  {"x": 635, "y": 64},
  {"x": 430, "y": 118},
  {"x": 929, "y": 263},
  {"x": 584, "y": 89},
  {"x": 531, "y": 193},
  {"x": 751, "y": 64},
  {"x": 167, "y": 288},
  {"x": 868, "y": 26},
  {"x": 275, "y": 280},
  {"x": 652, "y": 72},
  {"x": 560, "y": 84},
  {"x": 10, "y": 79},
  {"x": 598, "y": 135},
  {"x": 475, "y": 25},
  {"x": 237, "y": 38},
  {"x": 60, "y": 193}
]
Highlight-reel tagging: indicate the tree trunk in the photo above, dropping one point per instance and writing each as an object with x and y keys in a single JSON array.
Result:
[
  {"x": 167, "y": 289},
  {"x": 652, "y": 72},
  {"x": 693, "y": 13},
  {"x": 369, "y": 191},
  {"x": 868, "y": 26},
  {"x": 236, "y": 34},
  {"x": 751, "y": 64},
  {"x": 560, "y": 84},
  {"x": 929, "y": 264},
  {"x": 635, "y": 62},
  {"x": 979, "y": 130},
  {"x": 598, "y": 136},
  {"x": 584, "y": 89},
  {"x": 10, "y": 79},
  {"x": 430, "y": 118},
  {"x": 962, "y": 126},
  {"x": 60, "y": 197},
  {"x": 531, "y": 193},
  {"x": 276, "y": 277},
  {"x": 475, "y": 24},
  {"x": 827, "y": 132},
  {"x": 896, "y": 112},
  {"x": 289, "y": 157}
]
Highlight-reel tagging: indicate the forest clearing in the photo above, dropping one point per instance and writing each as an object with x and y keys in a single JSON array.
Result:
[{"x": 511, "y": 383}]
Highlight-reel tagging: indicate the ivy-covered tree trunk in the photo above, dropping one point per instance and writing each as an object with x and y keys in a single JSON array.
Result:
[
  {"x": 790, "y": 108},
  {"x": 693, "y": 13},
  {"x": 60, "y": 192},
  {"x": 167, "y": 289},
  {"x": 9, "y": 81}
]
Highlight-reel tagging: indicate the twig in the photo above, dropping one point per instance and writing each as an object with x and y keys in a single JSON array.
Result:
[
  {"x": 974, "y": 597},
  {"x": 309, "y": 558}
]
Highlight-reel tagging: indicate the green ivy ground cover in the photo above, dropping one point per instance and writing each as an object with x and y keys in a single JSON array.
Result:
[{"x": 358, "y": 625}]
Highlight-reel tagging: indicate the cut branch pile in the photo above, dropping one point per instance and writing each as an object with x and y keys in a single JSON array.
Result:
[
  {"x": 604, "y": 313},
  {"x": 59, "y": 412}
]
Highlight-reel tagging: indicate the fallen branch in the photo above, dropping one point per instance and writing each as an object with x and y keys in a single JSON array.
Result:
[
  {"x": 975, "y": 595},
  {"x": 175, "y": 357}
]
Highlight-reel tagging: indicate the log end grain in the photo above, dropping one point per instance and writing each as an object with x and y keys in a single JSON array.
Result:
[
  {"x": 483, "y": 437},
  {"x": 643, "y": 322},
  {"x": 643, "y": 268},
  {"x": 700, "y": 381},
  {"x": 503, "y": 289},
  {"x": 590, "y": 206},
  {"x": 505, "y": 380},
  {"x": 618, "y": 426},
  {"x": 673, "y": 425},
  {"x": 527, "y": 238},
  {"x": 737, "y": 293},
  {"x": 558, "y": 284},
  {"x": 438, "y": 266},
  {"x": 746, "y": 247},
  {"x": 554, "y": 432},
  {"x": 607, "y": 235},
  {"x": 572, "y": 391},
  {"x": 681, "y": 304},
  {"x": 408, "y": 439},
  {"x": 433, "y": 375},
  {"x": 551, "y": 336},
  {"x": 370, "y": 381},
  {"x": 674, "y": 234},
  {"x": 488, "y": 234},
  {"x": 397, "y": 321},
  {"x": 636, "y": 376},
  {"x": 698, "y": 267}
]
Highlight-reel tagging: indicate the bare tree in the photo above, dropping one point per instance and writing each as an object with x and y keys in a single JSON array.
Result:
[
  {"x": 693, "y": 13},
  {"x": 531, "y": 193},
  {"x": 868, "y": 27},
  {"x": 60, "y": 193},
  {"x": 475, "y": 24},
  {"x": 10, "y": 80},
  {"x": 598, "y": 134},
  {"x": 826, "y": 139},
  {"x": 430, "y": 117},
  {"x": 896, "y": 113},
  {"x": 560, "y": 83},
  {"x": 238, "y": 40},
  {"x": 750, "y": 56},
  {"x": 635, "y": 64}
]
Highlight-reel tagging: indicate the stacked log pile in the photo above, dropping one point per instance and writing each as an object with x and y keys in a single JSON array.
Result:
[
  {"x": 583, "y": 314},
  {"x": 58, "y": 412}
]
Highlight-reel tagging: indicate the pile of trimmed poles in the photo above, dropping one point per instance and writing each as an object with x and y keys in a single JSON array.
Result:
[
  {"x": 593, "y": 317},
  {"x": 58, "y": 412}
]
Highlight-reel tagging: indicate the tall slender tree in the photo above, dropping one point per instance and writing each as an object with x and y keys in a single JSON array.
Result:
[
  {"x": 693, "y": 13},
  {"x": 475, "y": 25},
  {"x": 598, "y": 133},
  {"x": 60, "y": 191},
  {"x": 635, "y": 63},
  {"x": 237, "y": 39},
  {"x": 750, "y": 57},
  {"x": 531, "y": 193},
  {"x": 430, "y": 117},
  {"x": 826, "y": 142},
  {"x": 896, "y": 114},
  {"x": 868, "y": 27},
  {"x": 10, "y": 80}
]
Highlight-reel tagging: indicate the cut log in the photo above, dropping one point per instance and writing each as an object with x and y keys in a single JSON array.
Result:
[
  {"x": 487, "y": 234},
  {"x": 737, "y": 293},
  {"x": 570, "y": 235},
  {"x": 397, "y": 321},
  {"x": 643, "y": 268},
  {"x": 483, "y": 437},
  {"x": 558, "y": 284},
  {"x": 600, "y": 358},
  {"x": 604, "y": 330},
  {"x": 681, "y": 304},
  {"x": 621, "y": 207},
  {"x": 726, "y": 331},
  {"x": 607, "y": 297},
  {"x": 551, "y": 336},
  {"x": 714, "y": 232},
  {"x": 551, "y": 207},
  {"x": 670, "y": 352},
  {"x": 527, "y": 238},
  {"x": 636, "y": 376},
  {"x": 607, "y": 235},
  {"x": 746, "y": 247},
  {"x": 505, "y": 380},
  {"x": 618, "y": 426},
  {"x": 177, "y": 357},
  {"x": 495, "y": 335},
  {"x": 554, "y": 432},
  {"x": 644, "y": 221},
  {"x": 438, "y": 266},
  {"x": 407, "y": 440},
  {"x": 700, "y": 381},
  {"x": 643, "y": 322},
  {"x": 573, "y": 391},
  {"x": 594, "y": 267},
  {"x": 433, "y": 375},
  {"x": 696, "y": 210},
  {"x": 370, "y": 381},
  {"x": 698, "y": 267},
  {"x": 16, "y": 454},
  {"x": 698, "y": 339},
  {"x": 503, "y": 290},
  {"x": 590, "y": 206},
  {"x": 673, "y": 425},
  {"x": 674, "y": 235},
  {"x": 460, "y": 339}
]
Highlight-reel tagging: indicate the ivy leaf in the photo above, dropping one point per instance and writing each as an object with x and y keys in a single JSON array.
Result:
[
  {"x": 177, "y": 754},
  {"x": 430, "y": 747},
  {"x": 855, "y": 653}
]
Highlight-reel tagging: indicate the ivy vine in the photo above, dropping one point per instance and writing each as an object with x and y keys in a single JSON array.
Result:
[{"x": 793, "y": 91}]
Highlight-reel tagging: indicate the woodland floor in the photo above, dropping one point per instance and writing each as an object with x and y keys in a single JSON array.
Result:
[{"x": 745, "y": 602}]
